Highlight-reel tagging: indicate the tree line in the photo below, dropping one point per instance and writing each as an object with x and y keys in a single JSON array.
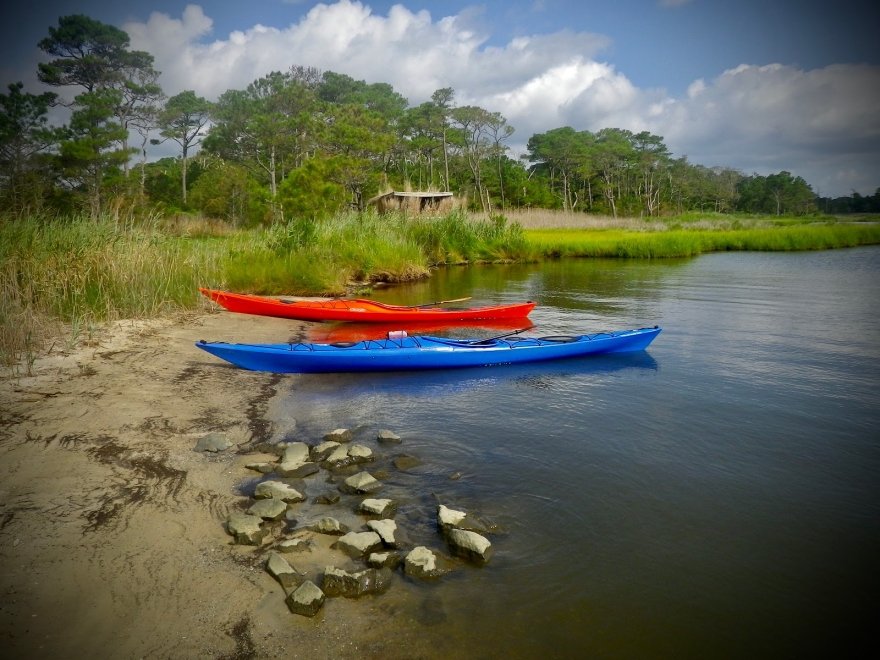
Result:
[{"x": 305, "y": 143}]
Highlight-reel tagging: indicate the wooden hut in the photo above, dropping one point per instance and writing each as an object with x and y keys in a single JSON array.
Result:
[{"x": 417, "y": 203}]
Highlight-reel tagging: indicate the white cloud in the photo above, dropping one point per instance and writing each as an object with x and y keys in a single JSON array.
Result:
[{"x": 819, "y": 124}]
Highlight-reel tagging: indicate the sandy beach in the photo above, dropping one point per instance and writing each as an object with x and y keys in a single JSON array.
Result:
[{"x": 112, "y": 537}]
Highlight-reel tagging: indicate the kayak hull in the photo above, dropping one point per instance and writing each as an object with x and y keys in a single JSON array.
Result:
[
  {"x": 360, "y": 310},
  {"x": 423, "y": 352}
]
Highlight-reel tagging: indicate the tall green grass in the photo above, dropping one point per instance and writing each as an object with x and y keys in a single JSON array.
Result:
[{"x": 687, "y": 243}]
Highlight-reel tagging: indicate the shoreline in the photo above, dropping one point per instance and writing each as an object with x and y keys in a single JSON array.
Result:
[{"x": 112, "y": 529}]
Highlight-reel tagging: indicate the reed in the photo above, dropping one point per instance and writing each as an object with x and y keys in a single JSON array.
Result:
[{"x": 697, "y": 240}]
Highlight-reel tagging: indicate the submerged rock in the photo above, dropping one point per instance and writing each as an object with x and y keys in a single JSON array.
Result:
[
  {"x": 214, "y": 442},
  {"x": 282, "y": 571},
  {"x": 294, "y": 545},
  {"x": 330, "y": 525},
  {"x": 246, "y": 529},
  {"x": 307, "y": 600},
  {"x": 338, "y": 582},
  {"x": 383, "y": 560},
  {"x": 279, "y": 491},
  {"x": 406, "y": 462},
  {"x": 388, "y": 437},
  {"x": 450, "y": 518}
]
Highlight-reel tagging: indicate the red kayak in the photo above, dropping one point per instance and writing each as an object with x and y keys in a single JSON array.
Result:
[{"x": 368, "y": 311}]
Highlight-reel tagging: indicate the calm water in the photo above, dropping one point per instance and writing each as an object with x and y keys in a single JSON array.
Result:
[{"x": 715, "y": 496}]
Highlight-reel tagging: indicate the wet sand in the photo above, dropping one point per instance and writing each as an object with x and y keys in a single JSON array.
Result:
[{"x": 112, "y": 538}]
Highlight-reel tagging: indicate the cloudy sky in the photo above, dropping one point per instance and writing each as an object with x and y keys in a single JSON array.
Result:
[{"x": 757, "y": 85}]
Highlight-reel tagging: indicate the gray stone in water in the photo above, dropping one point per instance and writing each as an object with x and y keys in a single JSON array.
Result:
[
  {"x": 270, "y": 509},
  {"x": 295, "y": 452},
  {"x": 306, "y": 600},
  {"x": 295, "y": 461},
  {"x": 388, "y": 437},
  {"x": 422, "y": 563},
  {"x": 451, "y": 519},
  {"x": 338, "y": 435},
  {"x": 338, "y": 582},
  {"x": 385, "y": 529},
  {"x": 326, "y": 498},
  {"x": 286, "y": 574},
  {"x": 263, "y": 468},
  {"x": 357, "y": 544},
  {"x": 470, "y": 545},
  {"x": 338, "y": 456},
  {"x": 383, "y": 560},
  {"x": 321, "y": 451},
  {"x": 406, "y": 462},
  {"x": 213, "y": 442},
  {"x": 294, "y": 545},
  {"x": 297, "y": 470},
  {"x": 278, "y": 490},
  {"x": 246, "y": 529},
  {"x": 362, "y": 482},
  {"x": 360, "y": 453},
  {"x": 382, "y": 508},
  {"x": 331, "y": 526}
]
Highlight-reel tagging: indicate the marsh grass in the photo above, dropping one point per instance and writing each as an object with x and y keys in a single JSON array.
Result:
[{"x": 677, "y": 242}]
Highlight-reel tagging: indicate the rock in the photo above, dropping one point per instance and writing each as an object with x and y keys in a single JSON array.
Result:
[
  {"x": 330, "y": 526},
  {"x": 406, "y": 462},
  {"x": 213, "y": 442},
  {"x": 338, "y": 457},
  {"x": 294, "y": 545},
  {"x": 246, "y": 529},
  {"x": 286, "y": 574},
  {"x": 295, "y": 452},
  {"x": 320, "y": 452},
  {"x": 262, "y": 468},
  {"x": 278, "y": 490},
  {"x": 388, "y": 437},
  {"x": 338, "y": 582},
  {"x": 385, "y": 529},
  {"x": 469, "y": 545},
  {"x": 295, "y": 461},
  {"x": 422, "y": 563},
  {"x": 383, "y": 560},
  {"x": 455, "y": 476},
  {"x": 297, "y": 470},
  {"x": 306, "y": 600},
  {"x": 269, "y": 509},
  {"x": 357, "y": 544},
  {"x": 338, "y": 435},
  {"x": 383, "y": 508},
  {"x": 362, "y": 482},
  {"x": 360, "y": 453},
  {"x": 326, "y": 498},
  {"x": 450, "y": 518}
]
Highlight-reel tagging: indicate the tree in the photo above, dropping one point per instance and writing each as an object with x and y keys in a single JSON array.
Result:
[
  {"x": 561, "y": 153},
  {"x": 90, "y": 54},
  {"x": 23, "y": 135},
  {"x": 183, "y": 120},
  {"x": 86, "y": 153}
]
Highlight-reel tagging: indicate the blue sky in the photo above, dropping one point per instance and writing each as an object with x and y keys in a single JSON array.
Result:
[{"x": 757, "y": 85}]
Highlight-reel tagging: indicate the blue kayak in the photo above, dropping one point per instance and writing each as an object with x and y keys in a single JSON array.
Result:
[{"x": 407, "y": 353}]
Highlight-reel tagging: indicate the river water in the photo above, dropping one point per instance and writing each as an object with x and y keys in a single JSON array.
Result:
[{"x": 714, "y": 496}]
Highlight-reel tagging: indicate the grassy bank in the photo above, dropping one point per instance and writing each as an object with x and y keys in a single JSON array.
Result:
[{"x": 61, "y": 277}]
